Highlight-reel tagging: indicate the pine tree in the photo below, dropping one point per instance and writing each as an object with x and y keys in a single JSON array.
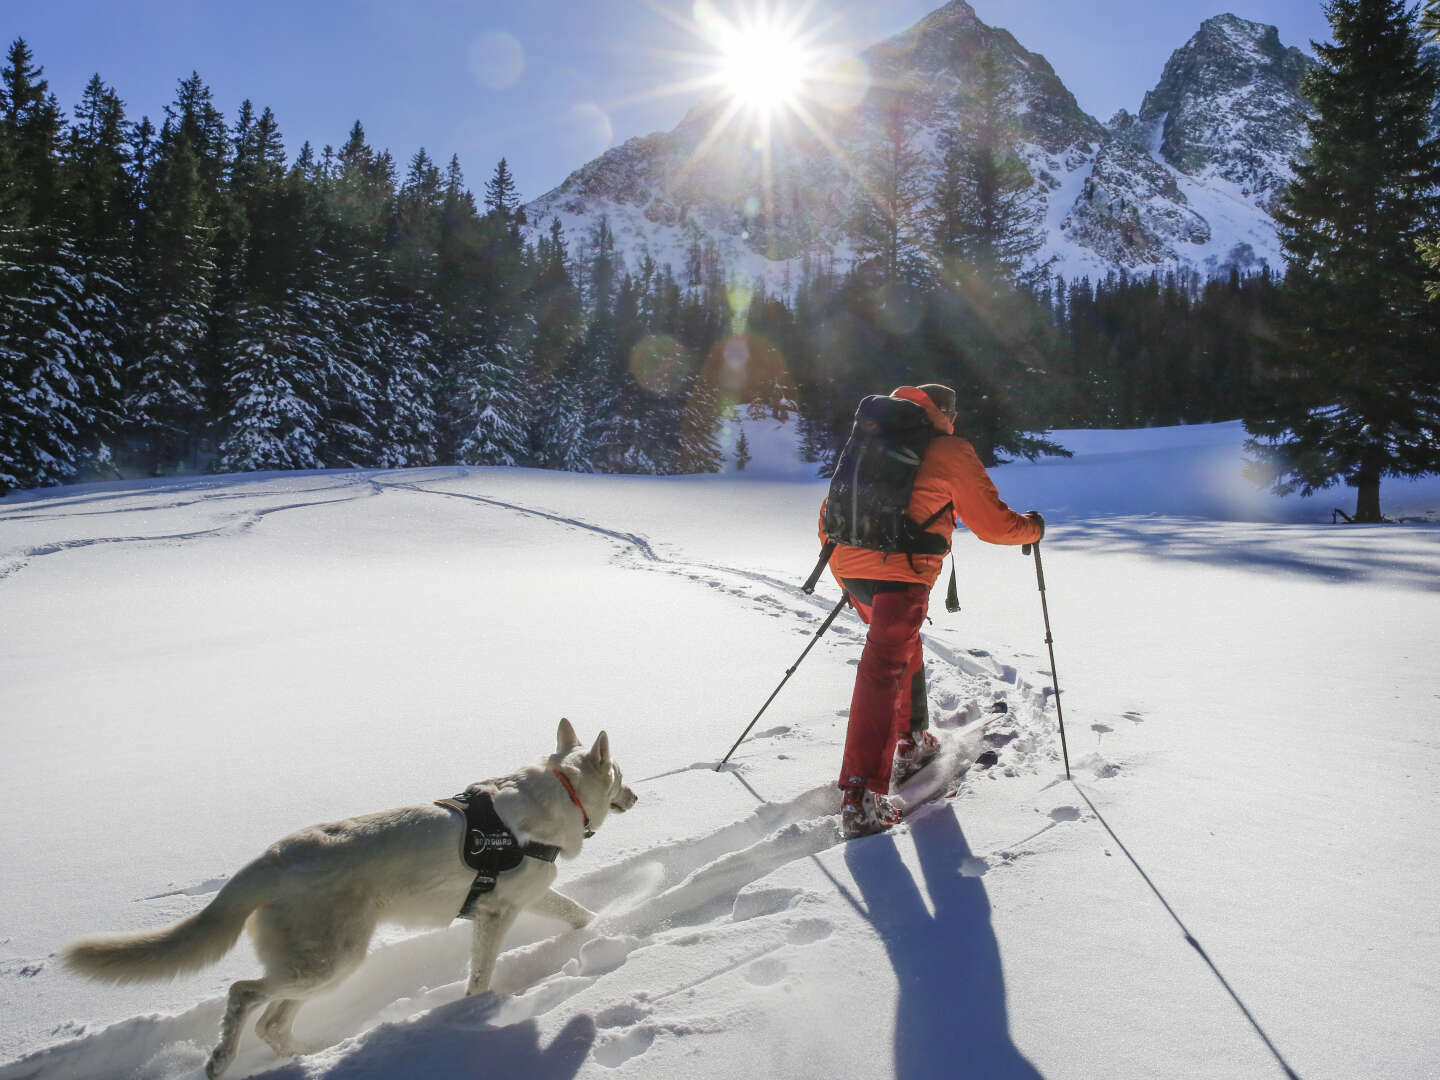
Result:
[
  {"x": 889, "y": 223},
  {"x": 359, "y": 196},
  {"x": 278, "y": 354},
  {"x": 1360, "y": 398},
  {"x": 558, "y": 424},
  {"x": 99, "y": 210},
  {"x": 167, "y": 392},
  {"x": 53, "y": 369},
  {"x": 1430, "y": 245},
  {"x": 986, "y": 217},
  {"x": 502, "y": 198},
  {"x": 742, "y": 452}
]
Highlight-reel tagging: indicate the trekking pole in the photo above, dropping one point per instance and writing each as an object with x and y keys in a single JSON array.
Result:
[
  {"x": 1050, "y": 644},
  {"x": 844, "y": 597}
]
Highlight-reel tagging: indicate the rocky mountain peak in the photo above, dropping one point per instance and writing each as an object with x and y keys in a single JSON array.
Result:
[{"x": 1229, "y": 102}]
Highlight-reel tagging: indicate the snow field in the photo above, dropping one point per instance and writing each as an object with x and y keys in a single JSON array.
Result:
[{"x": 189, "y": 670}]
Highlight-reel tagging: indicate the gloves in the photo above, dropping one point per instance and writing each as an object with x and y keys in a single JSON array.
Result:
[{"x": 1034, "y": 515}]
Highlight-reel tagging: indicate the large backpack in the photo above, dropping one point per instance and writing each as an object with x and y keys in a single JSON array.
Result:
[
  {"x": 873, "y": 480},
  {"x": 874, "y": 477}
]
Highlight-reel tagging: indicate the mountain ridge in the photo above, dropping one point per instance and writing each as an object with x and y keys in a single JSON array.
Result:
[{"x": 1188, "y": 182}]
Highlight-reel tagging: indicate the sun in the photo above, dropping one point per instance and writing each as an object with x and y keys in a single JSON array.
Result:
[
  {"x": 763, "y": 64},
  {"x": 763, "y": 57}
]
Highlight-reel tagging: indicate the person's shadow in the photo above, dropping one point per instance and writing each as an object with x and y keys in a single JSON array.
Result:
[{"x": 951, "y": 1022}]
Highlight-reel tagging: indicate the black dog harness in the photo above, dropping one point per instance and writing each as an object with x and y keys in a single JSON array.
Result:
[{"x": 487, "y": 846}]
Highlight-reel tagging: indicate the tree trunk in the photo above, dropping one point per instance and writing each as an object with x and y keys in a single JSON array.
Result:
[{"x": 1367, "y": 491}]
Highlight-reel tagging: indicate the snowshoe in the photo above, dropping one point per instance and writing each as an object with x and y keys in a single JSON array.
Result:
[{"x": 863, "y": 812}]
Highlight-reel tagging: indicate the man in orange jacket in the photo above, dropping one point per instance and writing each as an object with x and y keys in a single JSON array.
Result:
[{"x": 889, "y": 718}]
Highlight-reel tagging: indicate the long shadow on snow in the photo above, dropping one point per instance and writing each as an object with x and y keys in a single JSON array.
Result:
[
  {"x": 951, "y": 1022},
  {"x": 1347, "y": 555},
  {"x": 456, "y": 1040}
]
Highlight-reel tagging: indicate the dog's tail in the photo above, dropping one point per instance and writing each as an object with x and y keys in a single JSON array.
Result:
[{"x": 189, "y": 945}]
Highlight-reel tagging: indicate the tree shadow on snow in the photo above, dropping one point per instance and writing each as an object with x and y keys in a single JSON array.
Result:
[
  {"x": 951, "y": 1021},
  {"x": 455, "y": 1040},
  {"x": 1345, "y": 554}
]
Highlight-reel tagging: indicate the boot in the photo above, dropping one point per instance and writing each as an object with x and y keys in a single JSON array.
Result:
[
  {"x": 863, "y": 812},
  {"x": 912, "y": 753}
]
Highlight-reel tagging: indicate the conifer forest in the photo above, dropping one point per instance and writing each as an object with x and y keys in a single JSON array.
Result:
[{"x": 191, "y": 296}]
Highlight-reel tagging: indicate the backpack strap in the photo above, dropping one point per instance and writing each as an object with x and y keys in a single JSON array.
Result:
[{"x": 911, "y": 550}]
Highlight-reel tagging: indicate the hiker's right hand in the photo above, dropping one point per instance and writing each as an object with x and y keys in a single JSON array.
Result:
[{"x": 1034, "y": 515}]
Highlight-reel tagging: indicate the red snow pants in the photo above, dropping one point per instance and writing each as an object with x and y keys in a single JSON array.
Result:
[{"x": 884, "y": 706}]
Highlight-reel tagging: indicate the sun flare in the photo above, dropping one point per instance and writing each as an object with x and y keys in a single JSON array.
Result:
[{"x": 763, "y": 65}]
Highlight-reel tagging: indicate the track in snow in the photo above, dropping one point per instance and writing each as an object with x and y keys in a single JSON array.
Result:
[{"x": 699, "y": 887}]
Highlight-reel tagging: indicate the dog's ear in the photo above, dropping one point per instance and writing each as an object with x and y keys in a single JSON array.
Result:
[
  {"x": 565, "y": 737},
  {"x": 600, "y": 751}
]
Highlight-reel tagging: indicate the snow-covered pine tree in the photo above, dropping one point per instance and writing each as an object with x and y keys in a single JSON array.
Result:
[
  {"x": 317, "y": 295},
  {"x": 360, "y": 198},
  {"x": 699, "y": 446},
  {"x": 187, "y": 254},
  {"x": 495, "y": 389},
  {"x": 409, "y": 361},
  {"x": 1358, "y": 397},
  {"x": 611, "y": 407},
  {"x": 167, "y": 396},
  {"x": 53, "y": 378},
  {"x": 558, "y": 420},
  {"x": 99, "y": 209},
  {"x": 271, "y": 421},
  {"x": 480, "y": 279},
  {"x": 278, "y": 352},
  {"x": 742, "y": 452}
]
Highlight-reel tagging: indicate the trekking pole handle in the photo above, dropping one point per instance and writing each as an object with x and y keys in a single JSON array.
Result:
[{"x": 825, "y": 553}]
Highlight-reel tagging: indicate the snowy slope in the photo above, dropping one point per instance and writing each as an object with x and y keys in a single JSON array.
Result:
[{"x": 190, "y": 669}]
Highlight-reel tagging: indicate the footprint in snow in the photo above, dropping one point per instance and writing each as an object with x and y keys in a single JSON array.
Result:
[
  {"x": 622, "y": 1015},
  {"x": 601, "y": 956},
  {"x": 766, "y": 972},
  {"x": 757, "y": 903},
  {"x": 614, "y": 1052},
  {"x": 809, "y": 931}
]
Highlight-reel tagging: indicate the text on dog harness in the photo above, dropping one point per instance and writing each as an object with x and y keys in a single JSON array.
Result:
[{"x": 487, "y": 846}]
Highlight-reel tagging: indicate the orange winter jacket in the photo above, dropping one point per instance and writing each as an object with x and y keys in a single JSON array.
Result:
[{"x": 950, "y": 472}]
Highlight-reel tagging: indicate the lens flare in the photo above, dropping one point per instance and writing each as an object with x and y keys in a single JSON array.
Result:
[{"x": 659, "y": 364}]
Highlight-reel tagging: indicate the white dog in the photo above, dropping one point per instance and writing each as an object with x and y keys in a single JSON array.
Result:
[{"x": 313, "y": 900}]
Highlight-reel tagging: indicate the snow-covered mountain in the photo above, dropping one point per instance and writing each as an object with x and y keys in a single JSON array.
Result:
[
  {"x": 1191, "y": 179},
  {"x": 1185, "y": 182}
]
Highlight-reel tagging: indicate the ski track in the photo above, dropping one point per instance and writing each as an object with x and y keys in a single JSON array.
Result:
[
  {"x": 14, "y": 562},
  {"x": 676, "y": 894}
]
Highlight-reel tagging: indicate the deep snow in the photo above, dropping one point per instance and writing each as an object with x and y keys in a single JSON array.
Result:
[{"x": 191, "y": 668}]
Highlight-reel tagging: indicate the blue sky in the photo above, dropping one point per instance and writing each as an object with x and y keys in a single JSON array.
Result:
[{"x": 548, "y": 84}]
